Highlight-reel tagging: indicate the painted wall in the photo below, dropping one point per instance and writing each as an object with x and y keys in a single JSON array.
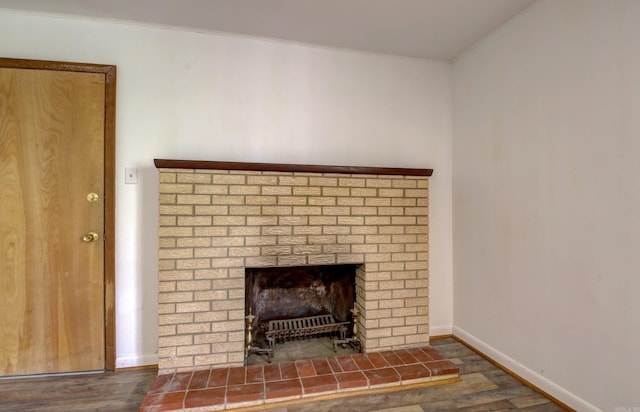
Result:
[
  {"x": 546, "y": 199},
  {"x": 189, "y": 95}
]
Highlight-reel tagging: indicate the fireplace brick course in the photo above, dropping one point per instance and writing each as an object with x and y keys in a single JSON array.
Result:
[{"x": 216, "y": 223}]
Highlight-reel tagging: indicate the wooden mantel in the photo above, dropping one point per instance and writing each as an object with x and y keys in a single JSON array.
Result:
[{"x": 283, "y": 167}]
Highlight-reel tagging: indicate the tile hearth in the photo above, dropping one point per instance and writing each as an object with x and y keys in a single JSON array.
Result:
[{"x": 266, "y": 385}]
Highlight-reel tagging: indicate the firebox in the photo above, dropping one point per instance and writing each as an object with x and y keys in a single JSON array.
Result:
[{"x": 299, "y": 292}]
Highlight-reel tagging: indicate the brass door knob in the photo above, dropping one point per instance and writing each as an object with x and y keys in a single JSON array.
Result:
[
  {"x": 90, "y": 237},
  {"x": 92, "y": 197}
]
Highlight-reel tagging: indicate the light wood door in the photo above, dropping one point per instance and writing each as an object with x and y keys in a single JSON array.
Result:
[{"x": 52, "y": 128}]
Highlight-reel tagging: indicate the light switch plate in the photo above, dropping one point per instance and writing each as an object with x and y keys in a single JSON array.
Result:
[{"x": 130, "y": 175}]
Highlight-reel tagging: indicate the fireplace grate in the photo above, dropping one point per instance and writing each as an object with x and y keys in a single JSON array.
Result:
[{"x": 284, "y": 329}]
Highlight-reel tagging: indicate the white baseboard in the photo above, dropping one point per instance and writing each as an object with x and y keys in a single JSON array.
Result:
[
  {"x": 440, "y": 330},
  {"x": 135, "y": 361},
  {"x": 525, "y": 373}
]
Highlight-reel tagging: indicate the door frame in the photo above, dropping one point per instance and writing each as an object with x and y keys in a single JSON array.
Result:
[{"x": 109, "y": 72}]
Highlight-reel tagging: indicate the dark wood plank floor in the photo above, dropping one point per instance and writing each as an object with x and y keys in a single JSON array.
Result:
[
  {"x": 484, "y": 387},
  {"x": 111, "y": 391}
]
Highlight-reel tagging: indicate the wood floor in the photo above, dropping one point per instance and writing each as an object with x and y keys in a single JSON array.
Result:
[
  {"x": 111, "y": 391},
  {"x": 484, "y": 387}
]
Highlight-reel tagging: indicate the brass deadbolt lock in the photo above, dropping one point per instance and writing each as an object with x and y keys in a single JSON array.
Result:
[{"x": 90, "y": 237}]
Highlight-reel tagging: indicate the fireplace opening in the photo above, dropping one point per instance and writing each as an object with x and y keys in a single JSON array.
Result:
[{"x": 286, "y": 304}]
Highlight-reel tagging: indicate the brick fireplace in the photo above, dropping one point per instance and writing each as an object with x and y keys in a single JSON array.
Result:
[{"x": 219, "y": 218}]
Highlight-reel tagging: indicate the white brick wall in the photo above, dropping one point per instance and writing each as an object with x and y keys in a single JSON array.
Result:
[{"x": 214, "y": 223}]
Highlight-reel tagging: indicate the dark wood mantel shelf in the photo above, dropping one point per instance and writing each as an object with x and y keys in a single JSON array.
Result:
[{"x": 282, "y": 167}]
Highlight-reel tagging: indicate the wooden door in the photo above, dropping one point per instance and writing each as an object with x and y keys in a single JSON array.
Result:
[{"x": 52, "y": 221}]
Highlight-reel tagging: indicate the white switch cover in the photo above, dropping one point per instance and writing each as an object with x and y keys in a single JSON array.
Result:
[{"x": 130, "y": 175}]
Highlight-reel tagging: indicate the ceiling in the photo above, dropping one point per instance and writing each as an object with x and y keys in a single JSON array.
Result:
[{"x": 432, "y": 29}]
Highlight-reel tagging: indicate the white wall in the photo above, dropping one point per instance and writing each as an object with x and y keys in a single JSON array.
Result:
[
  {"x": 547, "y": 198},
  {"x": 187, "y": 95}
]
